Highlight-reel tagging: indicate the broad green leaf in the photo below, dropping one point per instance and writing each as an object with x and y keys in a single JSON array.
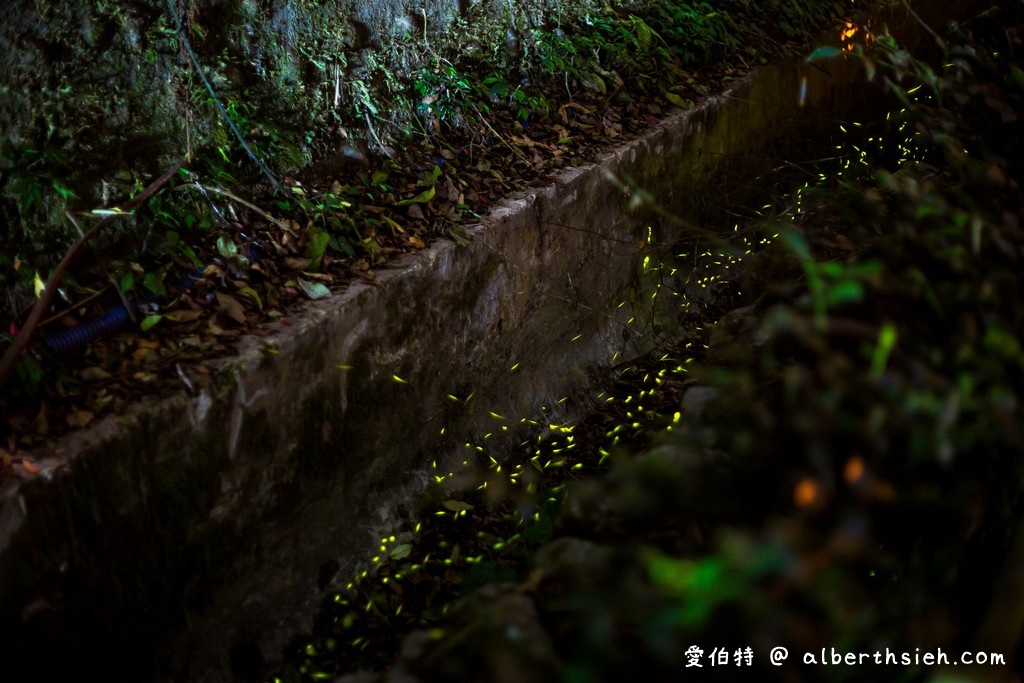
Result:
[
  {"x": 824, "y": 52},
  {"x": 127, "y": 282},
  {"x": 677, "y": 100},
  {"x": 457, "y": 505},
  {"x": 849, "y": 290},
  {"x": 226, "y": 247},
  {"x": 314, "y": 290},
  {"x": 421, "y": 198},
  {"x": 400, "y": 552},
  {"x": 644, "y": 33},
  {"x": 317, "y": 246},
  {"x": 154, "y": 284},
  {"x": 149, "y": 321}
]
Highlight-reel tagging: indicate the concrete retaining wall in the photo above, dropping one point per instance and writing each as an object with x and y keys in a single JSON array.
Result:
[{"x": 208, "y": 517}]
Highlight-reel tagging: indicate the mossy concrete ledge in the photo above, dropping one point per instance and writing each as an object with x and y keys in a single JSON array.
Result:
[{"x": 211, "y": 521}]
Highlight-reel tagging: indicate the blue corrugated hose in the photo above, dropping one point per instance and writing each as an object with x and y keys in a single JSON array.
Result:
[
  {"x": 117, "y": 318},
  {"x": 72, "y": 338}
]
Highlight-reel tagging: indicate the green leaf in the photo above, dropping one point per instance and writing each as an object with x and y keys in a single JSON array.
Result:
[
  {"x": 677, "y": 100},
  {"x": 154, "y": 284},
  {"x": 252, "y": 294},
  {"x": 1018, "y": 76},
  {"x": 457, "y": 505},
  {"x": 127, "y": 282},
  {"x": 400, "y": 552},
  {"x": 190, "y": 254},
  {"x": 317, "y": 246},
  {"x": 314, "y": 290},
  {"x": 1002, "y": 342},
  {"x": 30, "y": 373},
  {"x": 149, "y": 321},
  {"x": 796, "y": 242},
  {"x": 226, "y": 247},
  {"x": 432, "y": 177},
  {"x": 63, "y": 190},
  {"x": 824, "y": 52},
  {"x": 342, "y": 244},
  {"x": 421, "y": 198},
  {"x": 485, "y": 573},
  {"x": 594, "y": 82},
  {"x": 848, "y": 290},
  {"x": 886, "y": 342}
]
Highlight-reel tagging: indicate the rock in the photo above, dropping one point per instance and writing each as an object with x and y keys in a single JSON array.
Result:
[
  {"x": 494, "y": 634},
  {"x": 695, "y": 400},
  {"x": 663, "y": 489}
]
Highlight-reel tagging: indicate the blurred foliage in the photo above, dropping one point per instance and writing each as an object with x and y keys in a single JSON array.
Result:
[
  {"x": 871, "y": 427},
  {"x": 853, "y": 478}
]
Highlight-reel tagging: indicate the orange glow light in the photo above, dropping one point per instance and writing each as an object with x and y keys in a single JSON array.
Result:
[
  {"x": 854, "y": 470},
  {"x": 849, "y": 34},
  {"x": 807, "y": 492}
]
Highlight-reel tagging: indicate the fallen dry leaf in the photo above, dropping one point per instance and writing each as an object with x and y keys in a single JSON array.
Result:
[
  {"x": 80, "y": 418},
  {"x": 94, "y": 374},
  {"x": 322, "y": 277},
  {"x": 231, "y": 307},
  {"x": 184, "y": 316},
  {"x": 296, "y": 263}
]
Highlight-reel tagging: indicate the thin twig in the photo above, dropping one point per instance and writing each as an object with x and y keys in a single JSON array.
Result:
[
  {"x": 498, "y": 135},
  {"x": 373, "y": 132},
  {"x": 78, "y": 304},
  {"x": 941, "y": 43},
  {"x": 249, "y": 205}
]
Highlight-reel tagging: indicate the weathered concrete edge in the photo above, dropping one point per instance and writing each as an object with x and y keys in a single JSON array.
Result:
[{"x": 195, "y": 483}]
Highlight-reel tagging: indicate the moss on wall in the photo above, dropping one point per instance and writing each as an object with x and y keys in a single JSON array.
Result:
[{"x": 99, "y": 95}]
